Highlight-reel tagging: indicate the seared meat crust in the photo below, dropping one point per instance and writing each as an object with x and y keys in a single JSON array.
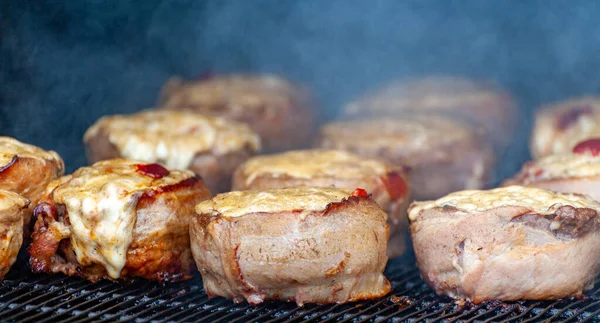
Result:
[
  {"x": 13, "y": 209},
  {"x": 511, "y": 251},
  {"x": 334, "y": 254},
  {"x": 26, "y": 170},
  {"x": 159, "y": 248},
  {"x": 389, "y": 186},
  {"x": 567, "y": 173}
]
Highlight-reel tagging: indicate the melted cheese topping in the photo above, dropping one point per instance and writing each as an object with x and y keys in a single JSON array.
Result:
[
  {"x": 538, "y": 200},
  {"x": 307, "y": 164},
  {"x": 560, "y": 167},
  {"x": 10, "y": 147},
  {"x": 9, "y": 200},
  {"x": 428, "y": 92},
  {"x": 101, "y": 201},
  {"x": 239, "y": 203},
  {"x": 412, "y": 133},
  {"x": 548, "y": 139},
  {"x": 237, "y": 93},
  {"x": 173, "y": 138}
]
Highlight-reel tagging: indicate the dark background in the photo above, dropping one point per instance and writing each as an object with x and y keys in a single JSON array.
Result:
[{"x": 65, "y": 64}]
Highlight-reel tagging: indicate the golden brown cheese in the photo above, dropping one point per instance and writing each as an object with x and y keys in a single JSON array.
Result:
[
  {"x": 239, "y": 203},
  {"x": 548, "y": 135},
  {"x": 10, "y": 200},
  {"x": 434, "y": 92},
  {"x": 414, "y": 133},
  {"x": 562, "y": 166},
  {"x": 241, "y": 92},
  {"x": 10, "y": 147},
  {"x": 101, "y": 201},
  {"x": 307, "y": 164},
  {"x": 538, "y": 200},
  {"x": 174, "y": 138}
]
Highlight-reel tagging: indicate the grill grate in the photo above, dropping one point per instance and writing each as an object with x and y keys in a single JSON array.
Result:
[{"x": 25, "y": 297}]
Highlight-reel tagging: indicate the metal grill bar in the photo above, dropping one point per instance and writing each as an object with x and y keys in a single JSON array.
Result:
[
  {"x": 288, "y": 314},
  {"x": 19, "y": 289},
  {"x": 25, "y": 297},
  {"x": 204, "y": 314},
  {"x": 398, "y": 312},
  {"x": 304, "y": 313},
  {"x": 340, "y": 313},
  {"x": 405, "y": 280},
  {"x": 543, "y": 312},
  {"x": 231, "y": 313},
  {"x": 592, "y": 316},
  {"x": 79, "y": 305},
  {"x": 490, "y": 310},
  {"x": 523, "y": 313},
  {"x": 501, "y": 315},
  {"x": 166, "y": 312},
  {"x": 434, "y": 314},
  {"x": 170, "y": 318},
  {"x": 582, "y": 311},
  {"x": 460, "y": 314},
  {"x": 137, "y": 310},
  {"x": 323, "y": 313},
  {"x": 95, "y": 290},
  {"x": 42, "y": 296},
  {"x": 258, "y": 318},
  {"x": 120, "y": 304},
  {"x": 560, "y": 312}
]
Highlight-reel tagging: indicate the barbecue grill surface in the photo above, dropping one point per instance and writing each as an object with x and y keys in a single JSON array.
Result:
[{"x": 25, "y": 297}]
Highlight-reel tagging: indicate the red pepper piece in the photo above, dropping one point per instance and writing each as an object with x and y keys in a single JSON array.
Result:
[
  {"x": 359, "y": 192},
  {"x": 395, "y": 185},
  {"x": 152, "y": 170},
  {"x": 588, "y": 146}
]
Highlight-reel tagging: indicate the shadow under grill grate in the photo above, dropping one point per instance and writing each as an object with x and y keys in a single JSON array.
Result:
[{"x": 25, "y": 297}]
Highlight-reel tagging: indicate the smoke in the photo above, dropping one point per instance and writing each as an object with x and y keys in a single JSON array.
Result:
[{"x": 65, "y": 65}]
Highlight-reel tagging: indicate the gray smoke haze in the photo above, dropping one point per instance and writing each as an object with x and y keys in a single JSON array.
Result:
[{"x": 63, "y": 65}]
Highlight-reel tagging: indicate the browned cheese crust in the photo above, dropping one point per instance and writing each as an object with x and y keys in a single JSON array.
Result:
[
  {"x": 389, "y": 186},
  {"x": 281, "y": 112},
  {"x": 560, "y": 126},
  {"x": 567, "y": 173},
  {"x": 511, "y": 243},
  {"x": 475, "y": 100},
  {"x": 444, "y": 154},
  {"x": 13, "y": 209},
  {"x": 211, "y": 147},
  {"x": 80, "y": 228},
  {"x": 291, "y": 244},
  {"x": 27, "y": 169}
]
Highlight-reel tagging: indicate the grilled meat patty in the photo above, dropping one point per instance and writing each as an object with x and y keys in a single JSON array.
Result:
[
  {"x": 13, "y": 210},
  {"x": 444, "y": 154},
  {"x": 509, "y": 243},
  {"x": 26, "y": 170},
  {"x": 576, "y": 172},
  {"x": 389, "y": 186},
  {"x": 281, "y": 112},
  {"x": 117, "y": 219},
  {"x": 478, "y": 101},
  {"x": 560, "y": 126},
  {"x": 305, "y": 245},
  {"x": 209, "y": 146}
]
